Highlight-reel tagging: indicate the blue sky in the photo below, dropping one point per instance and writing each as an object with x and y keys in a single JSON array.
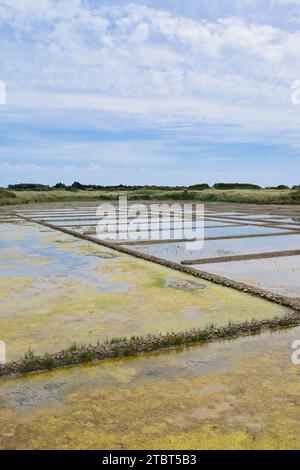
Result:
[{"x": 149, "y": 92}]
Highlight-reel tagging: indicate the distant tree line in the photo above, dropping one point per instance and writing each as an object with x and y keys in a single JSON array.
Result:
[
  {"x": 28, "y": 187},
  {"x": 76, "y": 186},
  {"x": 236, "y": 186}
]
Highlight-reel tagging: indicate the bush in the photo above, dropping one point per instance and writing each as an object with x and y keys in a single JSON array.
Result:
[
  {"x": 280, "y": 186},
  {"x": 59, "y": 186},
  {"x": 236, "y": 186},
  {"x": 29, "y": 187},
  {"x": 4, "y": 194},
  {"x": 200, "y": 187}
]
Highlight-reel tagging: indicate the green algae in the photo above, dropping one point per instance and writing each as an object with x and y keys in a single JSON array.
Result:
[
  {"x": 201, "y": 397},
  {"x": 54, "y": 293}
]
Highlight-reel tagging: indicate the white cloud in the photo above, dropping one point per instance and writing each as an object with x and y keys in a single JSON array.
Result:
[
  {"x": 132, "y": 52},
  {"x": 132, "y": 49},
  {"x": 75, "y": 62}
]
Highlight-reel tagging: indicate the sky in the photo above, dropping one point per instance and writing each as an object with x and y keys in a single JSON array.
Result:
[{"x": 165, "y": 92}]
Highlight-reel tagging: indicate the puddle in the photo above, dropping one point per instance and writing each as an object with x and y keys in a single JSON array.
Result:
[
  {"x": 240, "y": 230},
  {"x": 30, "y": 251},
  {"x": 210, "y": 231},
  {"x": 280, "y": 275},
  {"x": 217, "y": 248}
]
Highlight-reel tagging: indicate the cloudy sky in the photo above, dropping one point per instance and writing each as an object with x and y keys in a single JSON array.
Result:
[{"x": 150, "y": 92}]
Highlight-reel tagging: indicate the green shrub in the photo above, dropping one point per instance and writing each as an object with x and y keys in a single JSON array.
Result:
[
  {"x": 4, "y": 194},
  {"x": 236, "y": 186},
  {"x": 200, "y": 187},
  {"x": 48, "y": 362},
  {"x": 29, "y": 187}
]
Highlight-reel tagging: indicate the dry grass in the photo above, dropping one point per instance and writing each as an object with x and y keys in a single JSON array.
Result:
[{"x": 263, "y": 196}]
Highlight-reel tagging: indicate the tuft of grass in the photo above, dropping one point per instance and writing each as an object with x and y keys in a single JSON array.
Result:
[
  {"x": 67, "y": 358},
  {"x": 255, "y": 328},
  {"x": 29, "y": 355},
  {"x": 30, "y": 363},
  {"x": 73, "y": 347},
  {"x": 178, "y": 340},
  {"x": 136, "y": 338},
  {"x": 86, "y": 356},
  {"x": 202, "y": 335},
  {"x": 47, "y": 362},
  {"x": 116, "y": 340},
  {"x": 128, "y": 351}
]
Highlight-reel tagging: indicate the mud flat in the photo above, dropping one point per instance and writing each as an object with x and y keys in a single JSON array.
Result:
[{"x": 200, "y": 397}]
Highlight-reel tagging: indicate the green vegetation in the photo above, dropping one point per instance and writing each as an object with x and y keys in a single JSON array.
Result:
[
  {"x": 236, "y": 186},
  {"x": 122, "y": 347},
  {"x": 4, "y": 195},
  {"x": 280, "y": 186},
  {"x": 29, "y": 187},
  {"x": 222, "y": 192},
  {"x": 200, "y": 187},
  {"x": 76, "y": 186}
]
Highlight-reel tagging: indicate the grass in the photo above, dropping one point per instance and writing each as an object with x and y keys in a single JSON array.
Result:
[
  {"x": 29, "y": 355},
  {"x": 85, "y": 356},
  {"x": 262, "y": 196},
  {"x": 6, "y": 195},
  {"x": 73, "y": 347},
  {"x": 123, "y": 347},
  {"x": 47, "y": 362}
]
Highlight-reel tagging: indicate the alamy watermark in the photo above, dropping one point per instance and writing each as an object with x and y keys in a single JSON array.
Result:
[
  {"x": 2, "y": 92},
  {"x": 295, "y": 358},
  {"x": 295, "y": 97},
  {"x": 2, "y": 352},
  {"x": 152, "y": 222}
]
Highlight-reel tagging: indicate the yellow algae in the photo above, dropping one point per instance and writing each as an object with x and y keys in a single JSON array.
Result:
[
  {"x": 53, "y": 294},
  {"x": 201, "y": 397}
]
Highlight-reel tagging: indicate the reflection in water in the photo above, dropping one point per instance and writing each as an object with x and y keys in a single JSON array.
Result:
[
  {"x": 217, "y": 248},
  {"x": 280, "y": 275}
]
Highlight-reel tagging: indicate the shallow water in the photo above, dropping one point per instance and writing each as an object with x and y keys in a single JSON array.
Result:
[
  {"x": 280, "y": 275},
  {"x": 200, "y": 397},
  {"x": 289, "y": 220},
  {"x": 174, "y": 228},
  {"x": 259, "y": 216},
  {"x": 56, "y": 289},
  {"x": 258, "y": 222},
  {"x": 217, "y": 248},
  {"x": 239, "y": 230},
  {"x": 214, "y": 231}
]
